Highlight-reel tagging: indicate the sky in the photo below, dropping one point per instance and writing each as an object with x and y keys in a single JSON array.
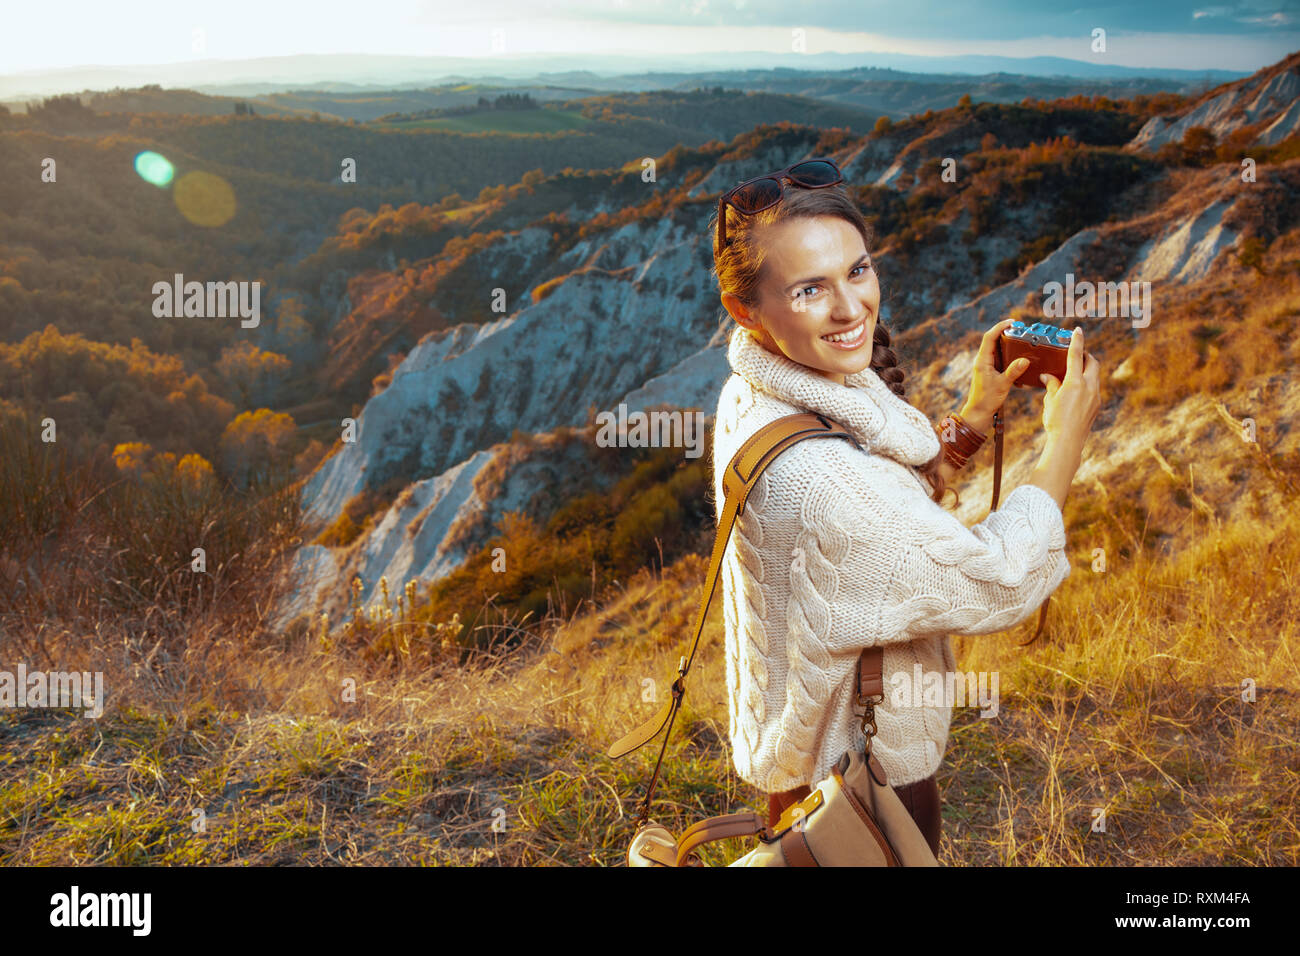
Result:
[{"x": 1243, "y": 35}]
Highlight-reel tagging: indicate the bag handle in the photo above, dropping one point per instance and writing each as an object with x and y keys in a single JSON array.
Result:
[{"x": 742, "y": 473}]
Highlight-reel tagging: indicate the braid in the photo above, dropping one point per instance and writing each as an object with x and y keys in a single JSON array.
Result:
[{"x": 884, "y": 362}]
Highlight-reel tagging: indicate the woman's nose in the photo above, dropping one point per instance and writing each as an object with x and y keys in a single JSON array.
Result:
[{"x": 849, "y": 306}]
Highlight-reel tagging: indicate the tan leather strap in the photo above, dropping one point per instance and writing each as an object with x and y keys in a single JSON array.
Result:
[
  {"x": 738, "y": 479},
  {"x": 718, "y": 828},
  {"x": 794, "y": 845},
  {"x": 751, "y": 824},
  {"x": 870, "y": 681}
]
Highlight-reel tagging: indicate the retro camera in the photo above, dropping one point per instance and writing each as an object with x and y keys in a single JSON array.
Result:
[{"x": 1046, "y": 347}]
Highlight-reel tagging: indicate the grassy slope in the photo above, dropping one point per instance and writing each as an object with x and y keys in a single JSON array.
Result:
[{"x": 1130, "y": 703}]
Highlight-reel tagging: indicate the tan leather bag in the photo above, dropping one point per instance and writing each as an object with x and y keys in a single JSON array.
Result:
[{"x": 853, "y": 817}]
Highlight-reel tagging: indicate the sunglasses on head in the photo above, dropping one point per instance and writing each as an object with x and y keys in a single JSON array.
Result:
[{"x": 764, "y": 192}]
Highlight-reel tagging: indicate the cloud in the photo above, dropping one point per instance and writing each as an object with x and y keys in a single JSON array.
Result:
[
  {"x": 914, "y": 19},
  {"x": 1278, "y": 19}
]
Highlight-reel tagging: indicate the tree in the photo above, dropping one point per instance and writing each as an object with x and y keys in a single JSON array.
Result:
[
  {"x": 252, "y": 374},
  {"x": 293, "y": 337},
  {"x": 195, "y": 474},
  {"x": 883, "y": 125},
  {"x": 1199, "y": 143},
  {"x": 256, "y": 445},
  {"x": 130, "y": 458},
  {"x": 1251, "y": 254}
]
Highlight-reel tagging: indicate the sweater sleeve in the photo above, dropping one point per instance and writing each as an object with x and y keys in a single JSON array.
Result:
[{"x": 877, "y": 560}]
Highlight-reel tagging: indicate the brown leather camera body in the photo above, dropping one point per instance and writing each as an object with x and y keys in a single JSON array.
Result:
[{"x": 1046, "y": 347}]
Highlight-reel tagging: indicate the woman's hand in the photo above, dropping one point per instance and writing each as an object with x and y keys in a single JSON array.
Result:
[
  {"x": 989, "y": 388},
  {"x": 1071, "y": 406}
]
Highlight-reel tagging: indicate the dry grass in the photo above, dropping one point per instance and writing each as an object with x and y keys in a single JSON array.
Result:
[
  {"x": 1132, "y": 703},
  {"x": 1134, "y": 706}
]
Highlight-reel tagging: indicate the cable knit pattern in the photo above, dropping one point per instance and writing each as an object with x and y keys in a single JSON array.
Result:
[{"x": 840, "y": 548}]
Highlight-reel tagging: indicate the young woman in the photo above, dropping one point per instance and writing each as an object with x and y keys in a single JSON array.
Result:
[{"x": 839, "y": 547}]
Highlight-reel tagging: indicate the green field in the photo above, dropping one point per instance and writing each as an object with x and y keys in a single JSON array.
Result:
[{"x": 501, "y": 121}]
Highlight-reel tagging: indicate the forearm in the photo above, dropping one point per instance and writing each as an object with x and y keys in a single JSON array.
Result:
[{"x": 1055, "y": 470}]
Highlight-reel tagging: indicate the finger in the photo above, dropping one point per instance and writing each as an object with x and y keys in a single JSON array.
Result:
[
  {"x": 1092, "y": 370},
  {"x": 1051, "y": 381},
  {"x": 989, "y": 341},
  {"x": 1016, "y": 369},
  {"x": 1074, "y": 357}
]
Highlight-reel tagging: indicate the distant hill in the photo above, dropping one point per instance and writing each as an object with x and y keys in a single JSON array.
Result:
[
  {"x": 598, "y": 72},
  {"x": 870, "y": 89}
]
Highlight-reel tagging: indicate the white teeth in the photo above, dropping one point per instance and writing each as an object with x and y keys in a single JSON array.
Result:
[{"x": 847, "y": 336}]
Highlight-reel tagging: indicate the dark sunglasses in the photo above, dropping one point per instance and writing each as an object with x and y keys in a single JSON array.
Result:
[{"x": 764, "y": 192}]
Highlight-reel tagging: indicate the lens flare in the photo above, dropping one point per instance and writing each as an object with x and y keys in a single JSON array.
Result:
[
  {"x": 205, "y": 199},
  {"x": 154, "y": 168}
]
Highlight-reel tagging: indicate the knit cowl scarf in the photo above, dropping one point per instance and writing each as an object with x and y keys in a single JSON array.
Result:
[{"x": 882, "y": 422}]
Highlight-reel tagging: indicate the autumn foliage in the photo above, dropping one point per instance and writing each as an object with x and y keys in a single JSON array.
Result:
[{"x": 256, "y": 445}]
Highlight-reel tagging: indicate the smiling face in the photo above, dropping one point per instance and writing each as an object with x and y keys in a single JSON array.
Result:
[{"x": 818, "y": 297}]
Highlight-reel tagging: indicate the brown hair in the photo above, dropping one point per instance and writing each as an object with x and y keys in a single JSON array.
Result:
[{"x": 739, "y": 267}]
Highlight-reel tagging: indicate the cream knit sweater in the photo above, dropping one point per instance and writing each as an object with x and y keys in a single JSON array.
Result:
[{"x": 838, "y": 549}]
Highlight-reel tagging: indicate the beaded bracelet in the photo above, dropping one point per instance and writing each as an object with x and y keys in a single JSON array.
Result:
[{"x": 965, "y": 443}]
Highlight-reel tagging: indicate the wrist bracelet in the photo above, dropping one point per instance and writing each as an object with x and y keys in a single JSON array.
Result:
[
  {"x": 950, "y": 453},
  {"x": 965, "y": 429},
  {"x": 966, "y": 441},
  {"x": 963, "y": 437}
]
